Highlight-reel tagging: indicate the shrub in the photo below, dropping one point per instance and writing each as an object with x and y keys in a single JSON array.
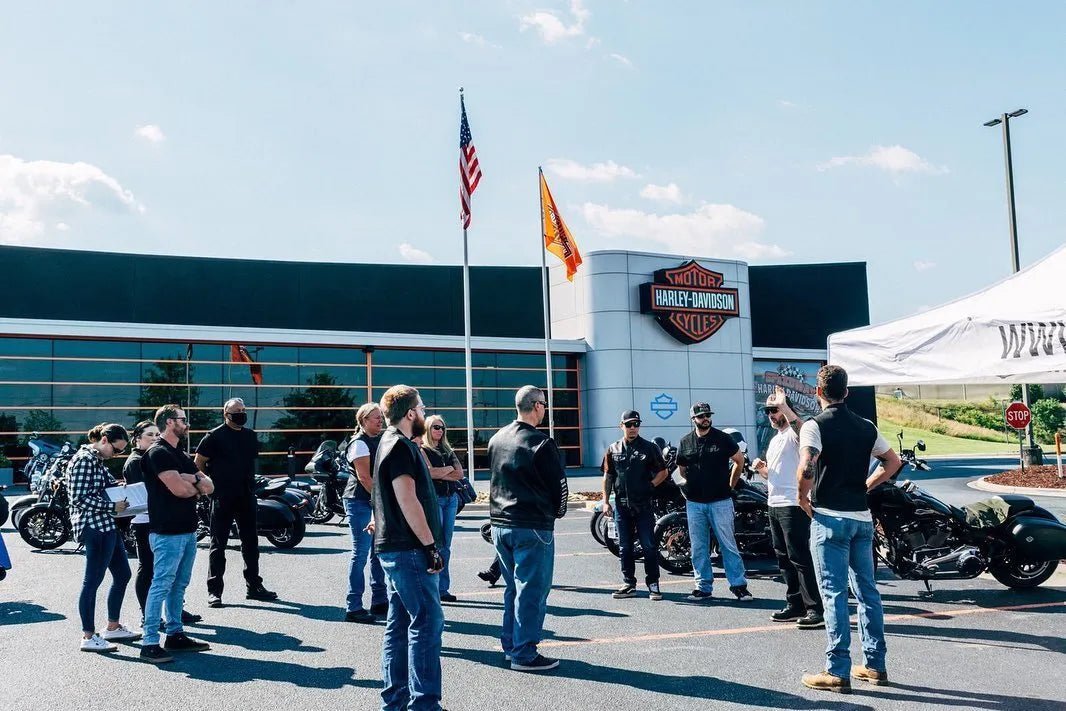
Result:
[
  {"x": 971, "y": 415},
  {"x": 1048, "y": 418}
]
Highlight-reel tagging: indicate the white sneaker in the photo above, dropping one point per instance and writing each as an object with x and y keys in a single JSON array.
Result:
[
  {"x": 121, "y": 634},
  {"x": 96, "y": 643}
]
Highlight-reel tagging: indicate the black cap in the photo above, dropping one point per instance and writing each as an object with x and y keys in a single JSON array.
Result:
[
  {"x": 700, "y": 408},
  {"x": 630, "y": 415}
]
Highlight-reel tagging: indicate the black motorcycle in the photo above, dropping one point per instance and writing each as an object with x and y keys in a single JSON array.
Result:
[
  {"x": 48, "y": 463},
  {"x": 45, "y": 523},
  {"x": 922, "y": 538},
  {"x": 909, "y": 456},
  {"x": 330, "y": 468},
  {"x": 279, "y": 514}
]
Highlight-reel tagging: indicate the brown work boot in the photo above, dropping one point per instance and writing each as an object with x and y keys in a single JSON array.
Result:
[
  {"x": 880, "y": 678},
  {"x": 824, "y": 681}
]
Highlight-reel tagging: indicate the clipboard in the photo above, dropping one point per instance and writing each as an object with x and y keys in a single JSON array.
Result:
[{"x": 135, "y": 494}]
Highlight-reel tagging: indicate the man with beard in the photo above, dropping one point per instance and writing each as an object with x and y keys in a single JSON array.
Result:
[
  {"x": 407, "y": 538},
  {"x": 528, "y": 492},
  {"x": 790, "y": 525},
  {"x": 228, "y": 454},
  {"x": 704, "y": 458},
  {"x": 173, "y": 482}
]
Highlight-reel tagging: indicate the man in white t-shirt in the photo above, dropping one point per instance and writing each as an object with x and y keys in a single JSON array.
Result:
[
  {"x": 835, "y": 451},
  {"x": 790, "y": 526}
]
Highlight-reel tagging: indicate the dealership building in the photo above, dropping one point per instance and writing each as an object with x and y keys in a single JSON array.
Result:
[{"x": 88, "y": 337}]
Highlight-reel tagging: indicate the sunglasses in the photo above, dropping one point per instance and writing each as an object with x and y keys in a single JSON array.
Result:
[
  {"x": 182, "y": 419},
  {"x": 438, "y": 427},
  {"x": 770, "y": 410},
  {"x": 701, "y": 417},
  {"x": 631, "y": 424}
]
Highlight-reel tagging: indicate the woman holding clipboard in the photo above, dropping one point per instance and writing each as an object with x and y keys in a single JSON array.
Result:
[{"x": 92, "y": 518}]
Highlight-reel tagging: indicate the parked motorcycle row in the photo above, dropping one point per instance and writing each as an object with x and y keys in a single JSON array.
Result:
[{"x": 917, "y": 536}]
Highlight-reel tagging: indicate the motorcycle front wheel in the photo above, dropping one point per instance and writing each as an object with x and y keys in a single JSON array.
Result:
[
  {"x": 287, "y": 537},
  {"x": 673, "y": 544},
  {"x": 598, "y": 527},
  {"x": 44, "y": 529},
  {"x": 1019, "y": 575},
  {"x": 320, "y": 512}
]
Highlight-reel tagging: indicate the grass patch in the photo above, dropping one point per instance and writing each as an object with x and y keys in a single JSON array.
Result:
[
  {"x": 940, "y": 444},
  {"x": 914, "y": 415}
]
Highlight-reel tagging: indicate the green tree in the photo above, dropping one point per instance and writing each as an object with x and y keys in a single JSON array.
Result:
[
  {"x": 1036, "y": 392},
  {"x": 42, "y": 421},
  {"x": 1048, "y": 418},
  {"x": 306, "y": 410},
  {"x": 165, "y": 383}
]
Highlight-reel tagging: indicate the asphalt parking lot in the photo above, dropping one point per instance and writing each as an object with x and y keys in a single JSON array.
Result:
[{"x": 972, "y": 645}]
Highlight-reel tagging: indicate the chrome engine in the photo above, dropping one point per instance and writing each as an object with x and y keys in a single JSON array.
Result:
[{"x": 932, "y": 551}]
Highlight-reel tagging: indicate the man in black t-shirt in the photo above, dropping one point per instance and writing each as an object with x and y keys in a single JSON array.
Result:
[
  {"x": 710, "y": 462},
  {"x": 173, "y": 482},
  {"x": 632, "y": 468},
  {"x": 407, "y": 536},
  {"x": 228, "y": 454}
]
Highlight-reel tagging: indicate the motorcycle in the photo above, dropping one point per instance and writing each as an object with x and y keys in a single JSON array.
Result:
[
  {"x": 909, "y": 457},
  {"x": 330, "y": 468},
  {"x": 48, "y": 462},
  {"x": 751, "y": 523},
  {"x": 922, "y": 538},
  {"x": 279, "y": 514},
  {"x": 45, "y": 524}
]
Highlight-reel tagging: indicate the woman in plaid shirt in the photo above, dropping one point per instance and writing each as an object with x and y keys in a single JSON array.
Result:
[{"x": 92, "y": 518}]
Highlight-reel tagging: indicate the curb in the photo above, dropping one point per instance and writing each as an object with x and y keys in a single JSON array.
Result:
[{"x": 983, "y": 485}]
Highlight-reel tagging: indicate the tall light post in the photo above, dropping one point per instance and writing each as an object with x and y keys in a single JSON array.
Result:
[{"x": 1004, "y": 120}]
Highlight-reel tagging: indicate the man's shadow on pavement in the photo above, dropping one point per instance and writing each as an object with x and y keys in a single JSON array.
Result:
[
  {"x": 248, "y": 639},
  {"x": 993, "y": 638},
  {"x": 492, "y": 631},
  {"x": 955, "y": 697},
  {"x": 209, "y": 666},
  {"x": 23, "y": 612},
  {"x": 689, "y": 687},
  {"x": 553, "y": 610}
]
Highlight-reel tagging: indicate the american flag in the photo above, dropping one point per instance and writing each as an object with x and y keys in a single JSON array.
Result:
[{"x": 469, "y": 170}]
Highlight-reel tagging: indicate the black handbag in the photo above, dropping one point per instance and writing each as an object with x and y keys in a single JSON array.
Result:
[{"x": 465, "y": 490}]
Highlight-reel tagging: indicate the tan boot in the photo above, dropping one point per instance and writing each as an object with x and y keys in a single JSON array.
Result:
[
  {"x": 824, "y": 681},
  {"x": 872, "y": 676}
]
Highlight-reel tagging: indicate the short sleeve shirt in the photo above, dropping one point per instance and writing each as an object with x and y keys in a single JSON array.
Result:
[
  {"x": 707, "y": 467},
  {"x": 782, "y": 461},
  {"x": 231, "y": 458},
  {"x": 167, "y": 513}
]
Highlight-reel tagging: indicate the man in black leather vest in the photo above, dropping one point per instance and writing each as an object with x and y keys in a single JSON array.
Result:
[{"x": 835, "y": 451}]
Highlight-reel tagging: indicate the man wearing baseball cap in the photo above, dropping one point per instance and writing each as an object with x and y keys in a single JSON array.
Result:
[
  {"x": 632, "y": 468},
  {"x": 710, "y": 462}
]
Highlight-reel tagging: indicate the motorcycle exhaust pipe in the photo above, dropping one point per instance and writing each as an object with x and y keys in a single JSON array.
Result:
[{"x": 966, "y": 560}]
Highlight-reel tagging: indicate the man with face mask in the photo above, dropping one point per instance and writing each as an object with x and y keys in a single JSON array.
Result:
[
  {"x": 710, "y": 462},
  {"x": 227, "y": 454}
]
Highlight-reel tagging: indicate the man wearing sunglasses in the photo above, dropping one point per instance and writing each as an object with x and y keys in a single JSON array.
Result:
[
  {"x": 790, "y": 525},
  {"x": 710, "y": 462},
  {"x": 632, "y": 468}
]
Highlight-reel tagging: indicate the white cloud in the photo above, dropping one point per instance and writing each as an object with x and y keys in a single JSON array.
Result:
[
  {"x": 473, "y": 38},
  {"x": 922, "y": 266},
  {"x": 786, "y": 104},
  {"x": 621, "y": 59},
  {"x": 151, "y": 133},
  {"x": 63, "y": 227},
  {"x": 551, "y": 28},
  {"x": 892, "y": 159},
  {"x": 595, "y": 173},
  {"x": 710, "y": 230},
  {"x": 415, "y": 255},
  {"x": 662, "y": 193},
  {"x": 34, "y": 194}
]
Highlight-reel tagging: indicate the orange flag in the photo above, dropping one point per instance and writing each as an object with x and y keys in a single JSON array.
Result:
[
  {"x": 557, "y": 237},
  {"x": 240, "y": 354}
]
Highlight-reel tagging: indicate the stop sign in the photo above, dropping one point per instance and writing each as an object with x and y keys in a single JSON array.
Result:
[{"x": 1018, "y": 415}]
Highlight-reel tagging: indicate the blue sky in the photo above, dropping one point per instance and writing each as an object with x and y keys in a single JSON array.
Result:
[{"x": 774, "y": 132}]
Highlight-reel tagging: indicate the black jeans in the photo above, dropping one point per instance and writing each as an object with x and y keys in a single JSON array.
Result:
[
  {"x": 103, "y": 552},
  {"x": 224, "y": 512},
  {"x": 642, "y": 521},
  {"x": 145, "y": 564},
  {"x": 790, "y": 527}
]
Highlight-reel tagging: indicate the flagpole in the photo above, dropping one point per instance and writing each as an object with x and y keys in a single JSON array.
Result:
[
  {"x": 469, "y": 360},
  {"x": 547, "y": 315}
]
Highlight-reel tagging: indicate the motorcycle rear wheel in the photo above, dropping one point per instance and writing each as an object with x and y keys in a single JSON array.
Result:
[
  {"x": 598, "y": 527},
  {"x": 673, "y": 544},
  {"x": 320, "y": 513},
  {"x": 1022, "y": 575},
  {"x": 287, "y": 537},
  {"x": 44, "y": 529}
]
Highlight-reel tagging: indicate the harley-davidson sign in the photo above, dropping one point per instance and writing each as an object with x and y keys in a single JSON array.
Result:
[{"x": 689, "y": 301}]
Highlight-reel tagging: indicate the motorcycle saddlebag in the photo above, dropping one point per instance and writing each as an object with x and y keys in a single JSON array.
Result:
[
  {"x": 1039, "y": 539},
  {"x": 273, "y": 514}
]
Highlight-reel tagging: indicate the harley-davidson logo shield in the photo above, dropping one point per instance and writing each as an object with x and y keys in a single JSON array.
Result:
[{"x": 689, "y": 302}]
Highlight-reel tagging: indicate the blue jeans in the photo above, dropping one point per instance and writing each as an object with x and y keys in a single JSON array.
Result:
[
  {"x": 715, "y": 516},
  {"x": 359, "y": 512},
  {"x": 410, "y": 652},
  {"x": 174, "y": 554},
  {"x": 527, "y": 557},
  {"x": 449, "y": 508},
  {"x": 837, "y": 545},
  {"x": 627, "y": 520},
  {"x": 103, "y": 552}
]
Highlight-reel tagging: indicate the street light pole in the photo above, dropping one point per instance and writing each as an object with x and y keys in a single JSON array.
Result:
[{"x": 1004, "y": 119}]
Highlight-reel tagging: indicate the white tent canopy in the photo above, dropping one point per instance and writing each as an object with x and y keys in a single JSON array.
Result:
[{"x": 1011, "y": 332}]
